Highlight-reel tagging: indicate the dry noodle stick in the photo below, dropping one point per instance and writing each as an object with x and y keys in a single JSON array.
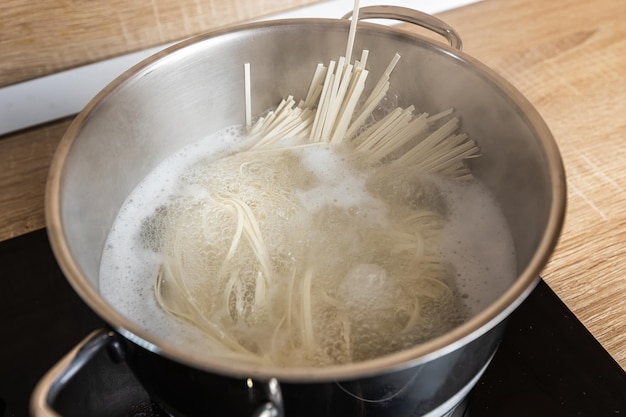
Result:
[
  {"x": 272, "y": 116},
  {"x": 357, "y": 71},
  {"x": 443, "y": 152},
  {"x": 282, "y": 123},
  {"x": 338, "y": 102},
  {"x": 389, "y": 133},
  {"x": 330, "y": 111},
  {"x": 288, "y": 126},
  {"x": 293, "y": 124},
  {"x": 268, "y": 121},
  {"x": 385, "y": 147},
  {"x": 377, "y": 94},
  {"x": 383, "y": 82},
  {"x": 413, "y": 130},
  {"x": 293, "y": 129},
  {"x": 440, "y": 115},
  {"x": 347, "y": 106},
  {"x": 316, "y": 130},
  {"x": 398, "y": 124},
  {"x": 442, "y": 160},
  {"x": 353, "y": 94},
  {"x": 257, "y": 126},
  {"x": 315, "y": 87},
  {"x": 434, "y": 138},
  {"x": 342, "y": 125},
  {"x": 302, "y": 130},
  {"x": 369, "y": 138},
  {"x": 340, "y": 84},
  {"x": 363, "y": 61},
  {"x": 365, "y": 113},
  {"x": 262, "y": 123},
  {"x": 352, "y": 33}
]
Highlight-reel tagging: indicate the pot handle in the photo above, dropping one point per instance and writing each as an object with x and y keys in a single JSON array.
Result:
[
  {"x": 405, "y": 14},
  {"x": 53, "y": 382},
  {"x": 274, "y": 407}
]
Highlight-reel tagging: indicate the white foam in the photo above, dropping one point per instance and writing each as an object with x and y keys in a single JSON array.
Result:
[
  {"x": 339, "y": 184},
  {"x": 478, "y": 243},
  {"x": 128, "y": 267},
  {"x": 476, "y": 240}
]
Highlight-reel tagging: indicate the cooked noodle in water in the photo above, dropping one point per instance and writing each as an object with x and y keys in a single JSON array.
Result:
[
  {"x": 314, "y": 240},
  {"x": 315, "y": 243}
]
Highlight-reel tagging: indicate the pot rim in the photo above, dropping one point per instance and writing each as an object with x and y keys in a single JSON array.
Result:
[{"x": 437, "y": 347}]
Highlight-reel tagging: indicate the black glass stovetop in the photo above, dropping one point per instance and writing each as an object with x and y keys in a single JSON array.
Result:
[{"x": 548, "y": 364}]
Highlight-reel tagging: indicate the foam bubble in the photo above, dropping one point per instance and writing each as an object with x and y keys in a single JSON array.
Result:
[{"x": 356, "y": 262}]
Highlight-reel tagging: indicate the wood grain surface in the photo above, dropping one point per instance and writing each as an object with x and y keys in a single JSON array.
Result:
[
  {"x": 24, "y": 163},
  {"x": 46, "y": 36},
  {"x": 568, "y": 57}
]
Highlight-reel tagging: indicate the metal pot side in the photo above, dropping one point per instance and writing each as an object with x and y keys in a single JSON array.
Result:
[{"x": 180, "y": 95}]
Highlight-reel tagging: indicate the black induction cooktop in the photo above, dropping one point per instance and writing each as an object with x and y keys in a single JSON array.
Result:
[{"x": 548, "y": 364}]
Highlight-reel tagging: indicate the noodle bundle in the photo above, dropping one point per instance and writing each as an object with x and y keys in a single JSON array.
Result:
[{"x": 316, "y": 243}]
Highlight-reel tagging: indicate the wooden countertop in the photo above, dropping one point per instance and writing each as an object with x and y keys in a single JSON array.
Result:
[{"x": 568, "y": 57}]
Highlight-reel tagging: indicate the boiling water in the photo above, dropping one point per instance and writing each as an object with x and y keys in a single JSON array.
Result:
[{"x": 356, "y": 268}]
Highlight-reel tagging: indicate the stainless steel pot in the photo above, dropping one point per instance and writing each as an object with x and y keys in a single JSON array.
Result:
[{"x": 196, "y": 87}]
